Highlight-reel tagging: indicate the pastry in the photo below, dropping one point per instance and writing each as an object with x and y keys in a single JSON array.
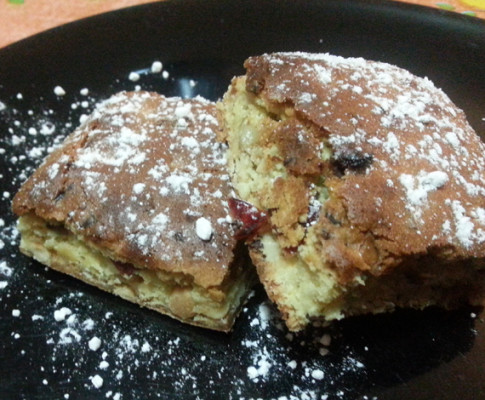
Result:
[
  {"x": 371, "y": 180},
  {"x": 135, "y": 202}
]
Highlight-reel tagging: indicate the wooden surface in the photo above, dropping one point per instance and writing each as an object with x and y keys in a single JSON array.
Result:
[{"x": 22, "y": 18}]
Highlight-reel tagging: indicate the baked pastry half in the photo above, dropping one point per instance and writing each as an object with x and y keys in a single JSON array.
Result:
[
  {"x": 372, "y": 181},
  {"x": 135, "y": 203}
]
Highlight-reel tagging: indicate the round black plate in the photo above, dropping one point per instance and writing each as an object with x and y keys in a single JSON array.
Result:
[{"x": 48, "y": 320}]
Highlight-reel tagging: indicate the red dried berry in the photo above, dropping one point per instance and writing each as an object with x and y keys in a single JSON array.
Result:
[{"x": 252, "y": 220}]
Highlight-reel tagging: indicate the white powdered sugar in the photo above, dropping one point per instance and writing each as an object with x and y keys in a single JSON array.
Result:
[
  {"x": 415, "y": 137},
  {"x": 160, "y": 222},
  {"x": 146, "y": 153},
  {"x": 464, "y": 225},
  {"x": 203, "y": 228},
  {"x": 452, "y": 139},
  {"x": 324, "y": 75},
  {"x": 318, "y": 374},
  {"x": 156, "y": 67},
  {"x": 97, "y": 381},
  {"x": 94, "y": 343},
  {"x": 183, "y": 110},
  {"x": 418, "y": 187},
  {"x": 94, "y": 353},
  {"x": 61, "y": 314},
  {"x": 261, "y": 367},
  {"x": 391, "y": 145},
  {"x": 134, "y": 76},
  {"x": 5, "y": 269},
  {"x": 59, "y": 91},
  {"x": 179, "y": 184},
  {"x": 138, "y": 188},
  {"x": 191, "y": 143}
]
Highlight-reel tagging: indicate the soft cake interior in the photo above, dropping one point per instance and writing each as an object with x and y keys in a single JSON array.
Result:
[
  {"x": 173, "y": 294},
  {"x": 290, "y": 258}
]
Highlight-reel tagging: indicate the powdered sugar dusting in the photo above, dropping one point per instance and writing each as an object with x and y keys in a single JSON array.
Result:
[
  {"x": 153, "y": 163},
  {"x": 418, "y": 187},
  {"x": 203, "y": 228},
  {"x": 420, "y": 143},
  {"x": 140, "y": 351}
]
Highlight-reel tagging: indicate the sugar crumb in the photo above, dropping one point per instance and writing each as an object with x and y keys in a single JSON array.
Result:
[
  {"x": 134, "y": 76},
  {"x": 156, "y": 67},
  {"x": 61, "y": 314},
  {"x": 59, "y": 91},
  {"x": 203, "y": 228},
  {"x": 97, "y": 381},
  {"x": 94, "y": 343}
]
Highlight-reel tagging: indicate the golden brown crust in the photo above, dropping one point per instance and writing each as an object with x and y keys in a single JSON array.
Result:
[
  {"x": 135, "y": 178},
  {"x": 421, "y": 164},
  {"x": 368, "y": 174}
]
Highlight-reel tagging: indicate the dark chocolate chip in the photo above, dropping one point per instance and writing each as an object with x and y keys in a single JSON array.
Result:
[{"x": 352, "y": 160}]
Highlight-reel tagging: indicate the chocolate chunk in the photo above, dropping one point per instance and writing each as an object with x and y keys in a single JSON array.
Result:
[{"x": 352, "y": 160}]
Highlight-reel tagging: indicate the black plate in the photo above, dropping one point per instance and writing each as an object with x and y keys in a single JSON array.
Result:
[{"x": 44, "y": 354}]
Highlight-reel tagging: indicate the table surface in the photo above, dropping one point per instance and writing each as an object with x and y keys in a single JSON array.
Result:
[{"x": 23, "y": 18}]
